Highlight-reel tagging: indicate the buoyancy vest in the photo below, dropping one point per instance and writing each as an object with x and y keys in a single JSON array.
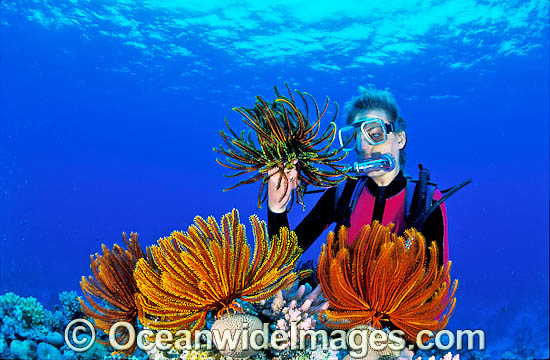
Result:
[{"x": 360, "y": 206}]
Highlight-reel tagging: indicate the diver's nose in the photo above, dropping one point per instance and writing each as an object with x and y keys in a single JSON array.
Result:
[
  {"x": 364, "y": 151},
  {"x": 364, "y": 147}
]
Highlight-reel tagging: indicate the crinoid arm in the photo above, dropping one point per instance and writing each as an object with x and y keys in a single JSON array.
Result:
[
  {"x": 279, "y": 133},
  {"x": 379, "y": 281}
]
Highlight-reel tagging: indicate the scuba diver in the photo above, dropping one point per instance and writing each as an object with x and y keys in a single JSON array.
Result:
[{"x": 375, "y": 131}]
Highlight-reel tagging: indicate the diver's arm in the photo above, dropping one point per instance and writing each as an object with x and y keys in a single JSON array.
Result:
[
  {"x": 313, "y": 225},
  {"x": 276, "y": 221}
]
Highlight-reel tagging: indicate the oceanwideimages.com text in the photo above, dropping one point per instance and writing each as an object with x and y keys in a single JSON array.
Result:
[{"x": 358, "y": 341}]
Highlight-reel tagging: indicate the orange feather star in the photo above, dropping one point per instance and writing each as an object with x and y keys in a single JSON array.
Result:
[
  {"x": 113, "y": 283},
  {"x": 382, "y": 279}
]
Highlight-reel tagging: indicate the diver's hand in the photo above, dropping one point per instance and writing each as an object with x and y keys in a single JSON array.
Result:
[{"x": 277, "y": 199}]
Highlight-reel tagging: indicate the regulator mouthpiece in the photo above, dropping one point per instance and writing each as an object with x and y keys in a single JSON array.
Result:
[{"x": 384, "y": 162}]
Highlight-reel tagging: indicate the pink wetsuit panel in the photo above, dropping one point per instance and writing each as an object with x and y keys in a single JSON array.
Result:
[
  {"x": 393, "y": 213},
  {"x": 362, "y": 215}
]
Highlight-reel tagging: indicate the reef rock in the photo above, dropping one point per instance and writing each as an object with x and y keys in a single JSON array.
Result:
[
  {"x": 55, "y": 339},
  {"x": 45, "y": 351}
]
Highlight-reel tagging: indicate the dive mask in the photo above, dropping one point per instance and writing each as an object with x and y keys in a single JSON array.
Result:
[{"x": 373, "y": 130}]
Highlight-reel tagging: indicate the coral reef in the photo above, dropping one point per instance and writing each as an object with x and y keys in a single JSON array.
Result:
[
  {"x": 210, "y": 267},
  {"x": 113, "y": 283},
  {"x": 4, "y": 347},
  {"x": 318, "y": 354},
  {"x": 97, "y": 351},
  {"x": 24, "y": 318},
  {"x": 296, "y": 307},
  {"x": 200, "y": 354},
  {"x": 70, "y": 305},
  {"x": 29, "y": 331},
  {"x": 298, "y": 304},
  {"x": 27, "y": 310},
  {"x": 380, "y": 281},
  {"x": 447, "y": 356},
  {"x": 23, "y": 349},
  {"x": 284, "y": 134}
]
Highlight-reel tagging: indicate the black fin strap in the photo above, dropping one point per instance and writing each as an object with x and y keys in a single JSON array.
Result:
[{"x": 448, "y": 193}]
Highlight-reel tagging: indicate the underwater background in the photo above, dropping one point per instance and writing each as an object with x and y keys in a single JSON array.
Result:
[{"x": 110, "y": 109}]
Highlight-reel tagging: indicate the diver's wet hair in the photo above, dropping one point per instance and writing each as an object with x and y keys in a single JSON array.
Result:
[{"x": 371, "y": 98}]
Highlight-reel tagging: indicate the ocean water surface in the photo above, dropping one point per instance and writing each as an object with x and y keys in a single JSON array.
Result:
[{"x": 109, "y": 111}]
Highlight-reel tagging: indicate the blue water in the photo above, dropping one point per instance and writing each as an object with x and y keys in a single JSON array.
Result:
[{"x": 109, "y": 112}]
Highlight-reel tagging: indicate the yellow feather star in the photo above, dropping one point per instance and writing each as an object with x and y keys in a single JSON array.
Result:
[{"x": 209, "y": 268}]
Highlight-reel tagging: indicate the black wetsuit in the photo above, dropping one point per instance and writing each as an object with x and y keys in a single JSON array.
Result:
[{"x": 324, "y": 214}]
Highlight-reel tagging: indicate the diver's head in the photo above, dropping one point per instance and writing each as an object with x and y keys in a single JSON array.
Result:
[{"x": 382, "y": 131}]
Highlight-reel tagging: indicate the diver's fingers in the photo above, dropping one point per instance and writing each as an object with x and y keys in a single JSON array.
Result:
[
  {"x": 274, "y": 177},
  {"x": 279, "y": 182},
  {"x": 279, "y": 191},
  {"x": 286, "y": 197},
  {"x": 292, "y": 172},
  {"x": 275, "y": 184},
  {"x": 272, "y": 171},
  {"x": 292, "y": 177}
]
